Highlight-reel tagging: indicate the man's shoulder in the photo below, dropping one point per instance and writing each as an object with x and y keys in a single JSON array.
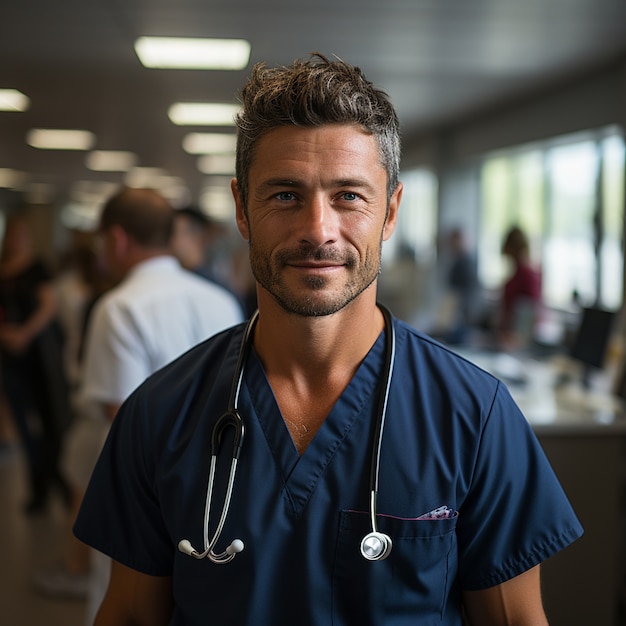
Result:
[{"x": 434, "y": 358}]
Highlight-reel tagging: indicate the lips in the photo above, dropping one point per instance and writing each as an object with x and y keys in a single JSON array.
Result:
[{"x": 319, "y": 258}]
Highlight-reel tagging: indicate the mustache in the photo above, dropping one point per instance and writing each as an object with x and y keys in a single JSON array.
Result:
[{"x": 318, "y": 254}]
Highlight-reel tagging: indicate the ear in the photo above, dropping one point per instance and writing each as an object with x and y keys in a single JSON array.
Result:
[
  {"x": 120, "y": 240},
  {"x": 240, "y": 214},
  {"x": 392, "y": 214}
]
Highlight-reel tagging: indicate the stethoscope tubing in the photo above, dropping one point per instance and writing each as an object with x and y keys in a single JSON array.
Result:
[{"x": 375, "y": 545}]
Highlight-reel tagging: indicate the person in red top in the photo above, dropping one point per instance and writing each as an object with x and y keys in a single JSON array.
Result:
[{"x": 521, "y": 295}]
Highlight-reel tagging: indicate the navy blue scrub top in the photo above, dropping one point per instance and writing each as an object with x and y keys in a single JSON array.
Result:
[{"x": 453, "y": 436}]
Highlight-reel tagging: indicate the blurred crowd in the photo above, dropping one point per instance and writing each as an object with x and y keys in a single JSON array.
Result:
[{"x": 80, "y": 329}]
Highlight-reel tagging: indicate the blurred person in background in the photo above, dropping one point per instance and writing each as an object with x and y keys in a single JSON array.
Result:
[
  {"x": 521, "y": 301},
  {"x": 190, "y": 240},
  {"x": 157, "y": 311},
  {"x": 461, "y": 299},
  {"x": 81, "y": 280},
  {"x": 31, "y": 354},
  {"x": 194, "y": 234},
  {"x": 7, "y": 429}
]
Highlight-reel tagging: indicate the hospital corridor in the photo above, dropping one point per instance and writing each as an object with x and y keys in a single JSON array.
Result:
[{"x": 423, "y": 204}]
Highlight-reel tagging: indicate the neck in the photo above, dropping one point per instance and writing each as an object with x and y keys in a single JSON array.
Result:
[
  {"x": 141, "y": 255},
  {"x": 309, "y": 361},
  {"x": 316, "y": 349}
]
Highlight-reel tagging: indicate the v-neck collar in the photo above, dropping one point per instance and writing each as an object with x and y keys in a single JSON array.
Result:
[{"x": 300, "y": 474}]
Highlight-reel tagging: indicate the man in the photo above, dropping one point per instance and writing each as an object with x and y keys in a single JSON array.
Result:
[
  {"x": 462, "y": 297},
  {"x": 190, "y": 239},
  {"x": 157, "y": 312},
  {"x": 194, "y": 235},
  {"x": 462, "y": 494}
]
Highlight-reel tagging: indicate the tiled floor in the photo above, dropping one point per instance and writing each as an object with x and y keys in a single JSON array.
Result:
[{"x": 27, "y": 544}]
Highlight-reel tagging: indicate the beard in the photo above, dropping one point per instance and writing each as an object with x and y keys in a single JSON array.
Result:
[{"x": 315, "y": 297}]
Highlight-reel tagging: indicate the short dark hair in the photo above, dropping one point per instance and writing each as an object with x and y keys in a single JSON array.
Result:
[
  {"x": 515, "y": 242},
  {"x": 143, "y": 213},
  {"x": 310, "y": 93},
  {"x": 194, "y": 215}
]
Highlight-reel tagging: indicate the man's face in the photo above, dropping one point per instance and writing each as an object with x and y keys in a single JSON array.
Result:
[{"x": 316, "y": 216}]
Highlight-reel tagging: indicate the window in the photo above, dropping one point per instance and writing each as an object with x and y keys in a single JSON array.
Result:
[
  {"x": 567, "y": 195},
  {"x": 415, "y": 234},
  {"x": 512, "y": 194}
]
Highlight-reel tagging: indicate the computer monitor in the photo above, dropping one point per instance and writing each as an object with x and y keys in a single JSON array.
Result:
[{"x": 592, "y": 339}]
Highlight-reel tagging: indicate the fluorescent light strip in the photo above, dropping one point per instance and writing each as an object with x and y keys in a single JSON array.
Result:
[
  {"x": 92, "y": 191},
  {"x": 110, "y": 160},
  {"x": 217, "y": 164},
  {"x": 209, "y": 143},
  {"x": 58, "y": 139},
  {"x": 144, "y": 177},
  {"x": 203, "y": 114},
  {"x": 193, "y": 53},
  {"x": 13, "y": 100},
  {"x": 11, "y": 179}
]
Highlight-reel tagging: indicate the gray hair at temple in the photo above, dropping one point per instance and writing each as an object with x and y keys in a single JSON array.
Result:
[{"x": 310, "y": 93}]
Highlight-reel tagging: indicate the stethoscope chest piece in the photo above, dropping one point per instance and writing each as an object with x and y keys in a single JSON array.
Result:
[{"x": 376, "y": 546}]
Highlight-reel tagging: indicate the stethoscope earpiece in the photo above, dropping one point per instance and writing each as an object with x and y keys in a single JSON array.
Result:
[{"x": 376, "y": 546}]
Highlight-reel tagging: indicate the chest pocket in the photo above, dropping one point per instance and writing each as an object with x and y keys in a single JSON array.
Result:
[{"x": 414, "y": 584}]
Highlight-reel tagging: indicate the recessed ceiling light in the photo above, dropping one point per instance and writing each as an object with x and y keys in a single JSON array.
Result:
[
  {"x": 209, "y": 143},
  {"x": 193, "y": 53},
  {"x": 144, "y": 177},
  {"x": 217, "y": 164},
  {"x": 11, "y": 179},
  {"x": 13, "y": 100},
  {"x": 110, "y": 160},
  {"x": 58, "y": 139},
  {"x": 203, "y": 114},
  {"x": 92, "y": 191}
]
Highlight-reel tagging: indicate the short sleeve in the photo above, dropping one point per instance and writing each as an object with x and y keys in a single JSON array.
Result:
[
  {"x": 115, "y": 358},
  {"x": 120, "y": 514},
  {"x": 516, "y": 513}
]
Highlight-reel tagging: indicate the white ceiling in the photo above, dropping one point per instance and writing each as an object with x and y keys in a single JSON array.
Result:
[{"x": 438, "y": 59}]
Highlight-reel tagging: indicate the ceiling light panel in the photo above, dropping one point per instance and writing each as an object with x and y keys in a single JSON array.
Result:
[
  {"x": 203, "y": 114},
  {"x": 13, "y": 100},
  {"x": 209, "y": 143},
  {"x": 58, "y": 139},
  {"x": 214, "y": 164},
  {"x": 110, "y": 160},
  {"x": 11, "y": 179},
  {"x": 193, "y": 53}
]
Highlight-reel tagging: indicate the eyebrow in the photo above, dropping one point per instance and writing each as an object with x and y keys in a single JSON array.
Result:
[{"x": 339, "y": 182}]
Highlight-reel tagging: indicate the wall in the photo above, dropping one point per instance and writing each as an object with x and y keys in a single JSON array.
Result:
[{"x": 590, "y": 100}]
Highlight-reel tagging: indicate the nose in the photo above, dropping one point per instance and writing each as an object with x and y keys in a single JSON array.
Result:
[{"x": 318, "y": 221}]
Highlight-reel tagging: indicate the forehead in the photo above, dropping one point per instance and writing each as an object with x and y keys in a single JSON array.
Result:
[{"x": 336, "y": 146}]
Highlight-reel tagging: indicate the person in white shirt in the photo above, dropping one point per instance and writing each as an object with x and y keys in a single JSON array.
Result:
[{"x": 156, "y": 312}]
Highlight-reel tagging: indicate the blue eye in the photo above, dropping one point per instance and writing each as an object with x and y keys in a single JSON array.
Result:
[
  {"x": 349, "y": 195},
  {"x": 285, "y": 196}
]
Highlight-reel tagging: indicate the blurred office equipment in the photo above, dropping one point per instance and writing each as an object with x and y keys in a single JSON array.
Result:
[{"x": 591, "y": 341}]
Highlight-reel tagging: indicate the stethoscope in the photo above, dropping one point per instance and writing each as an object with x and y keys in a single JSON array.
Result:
[{"x": 375, "y": 546}]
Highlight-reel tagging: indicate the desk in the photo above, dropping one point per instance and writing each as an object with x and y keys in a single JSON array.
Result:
[{"x": 583, "y": 432}]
